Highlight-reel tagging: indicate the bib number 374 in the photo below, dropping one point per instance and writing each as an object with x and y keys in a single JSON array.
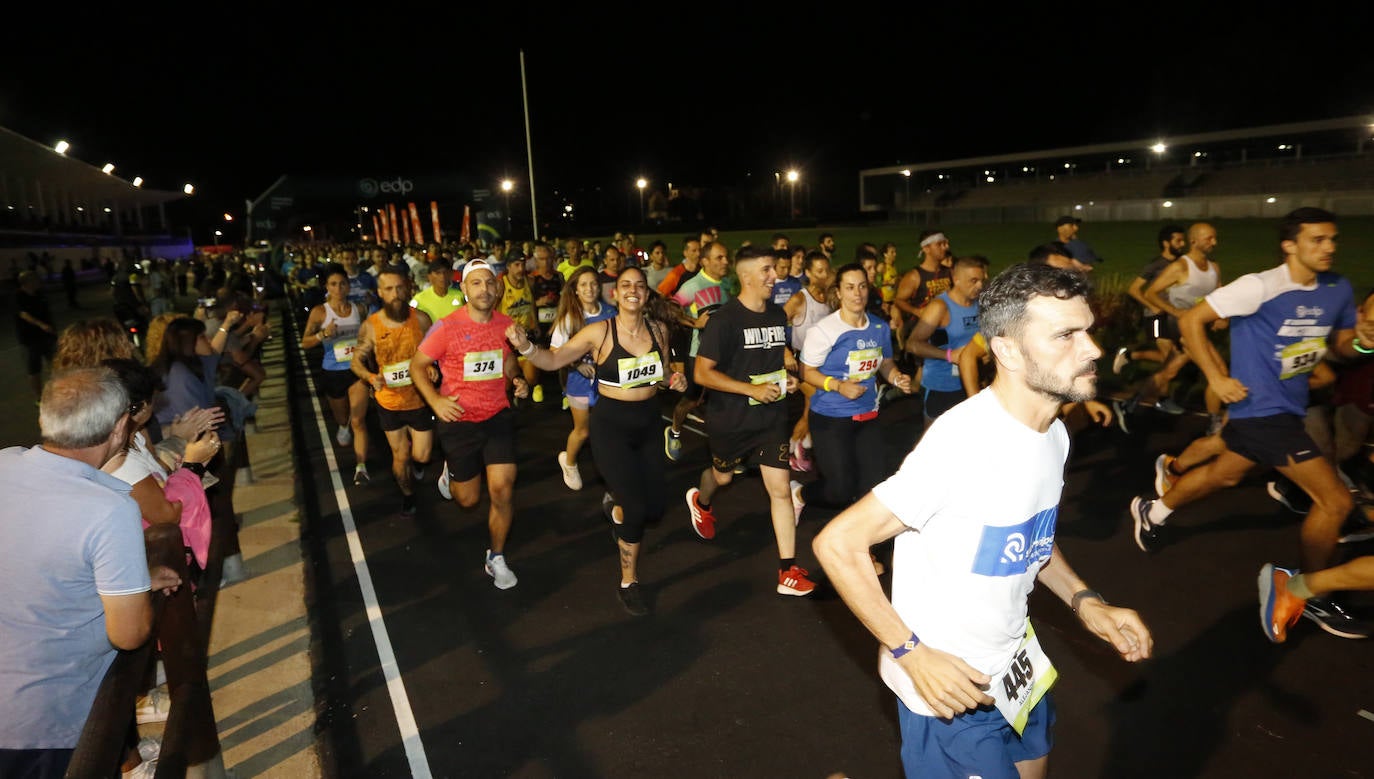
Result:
[{"x": 1025, "y": 681}]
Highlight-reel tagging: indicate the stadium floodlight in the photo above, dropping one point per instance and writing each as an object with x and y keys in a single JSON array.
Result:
[
  {"x": 641, "y": 183},
  {"x": 1159, "y": 148},
  {"x": 1120, "y": 160},
  {"x": 1271, "y": 199},
  {"x": 567, "y": 209},
  {"x": 792, "y": 176},
  {"x": 108, "y": 209},
  {"x": 138, "y": 181},
  {"x": 1078, "y": 206},
  {"x": 218, "y": 233},
  {"x": 306, "y": 228},
  {"x": 228, "y": 217},
  {"x": 188, "y": 189},
  {"x": 507, "y": 185},
  {"x": 108, "y": 169},
  {"x": 61, "y": 147},
  {"x": 991, "y": 179},
  {"x": 906, "y": 172}
]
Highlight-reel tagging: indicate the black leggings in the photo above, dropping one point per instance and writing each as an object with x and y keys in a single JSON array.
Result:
[
  {"x": 849, "y": 456},
  {"x": 626, "y": 445}
]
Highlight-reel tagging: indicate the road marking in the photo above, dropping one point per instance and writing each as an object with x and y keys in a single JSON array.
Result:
[
  {"x": 1366, "y": 715},
  {"x": 400, "y": 702}
]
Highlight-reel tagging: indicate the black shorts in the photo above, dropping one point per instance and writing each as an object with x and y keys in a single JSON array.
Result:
[
  {"x": 37, "y": 352},
  {"x": 418, "y": 419},
  {"x": 470, "y": 447},
  {"x": 1271, "y": 441},
  {"x": 731, "y": 449},
  {"x": 336, "y": 383},
  {"x": 939, "y": 401},
  {"x": 694, "y": 392}
]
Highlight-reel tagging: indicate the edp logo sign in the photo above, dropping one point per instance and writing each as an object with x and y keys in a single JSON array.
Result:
[{"x": 396, "y": 186}]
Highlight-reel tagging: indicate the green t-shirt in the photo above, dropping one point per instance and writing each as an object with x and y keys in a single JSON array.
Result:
[{"x": 437, "y": 307}]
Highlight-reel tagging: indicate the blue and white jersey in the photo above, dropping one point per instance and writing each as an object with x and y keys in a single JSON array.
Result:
[
  {"x": 1279, "y": 331},
  {"x": 942, "y": 375},
  {"x": 847, "y": 353},
  {"x": 784, "y": 289}
]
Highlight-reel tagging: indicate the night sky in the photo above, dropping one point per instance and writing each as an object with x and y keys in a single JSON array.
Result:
[{"x": 698, "y": 93}]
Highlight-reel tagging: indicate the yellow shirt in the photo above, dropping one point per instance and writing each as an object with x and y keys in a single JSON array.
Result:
[{"x": 438, "y": 307}]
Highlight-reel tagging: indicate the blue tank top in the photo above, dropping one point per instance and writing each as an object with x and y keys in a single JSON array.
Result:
[
  {"x": 579, "y": 386},
  {"x": 941, "y": 375}
]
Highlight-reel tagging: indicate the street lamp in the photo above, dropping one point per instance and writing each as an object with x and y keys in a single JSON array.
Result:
[
  {"x": 792, "y": 177},
  {"x": 309, "y": 233},
  {"x": 108, "y": 169},
  {"x": 506, "y": 186},
  {"x": 188, "y": 189},
  {"x": 906, "y": 203},
  {"x": 138, "y": 181},
  {"x": 61, "y": 147},
  {"x": 218, "y": 233},
  {"x": 228, "y": 217},
  {"x": 640, "y": 184}
]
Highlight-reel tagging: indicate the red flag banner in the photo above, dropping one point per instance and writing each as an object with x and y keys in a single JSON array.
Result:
[
  {"x": 465, "y": 235},
  {"x": 386, "y": 226},
  {"x": 377, "y": 229},
  {"x": 415, "y": 223},
  {"x": 434, "y": 217},
  {"x": 395, "y": 225}
]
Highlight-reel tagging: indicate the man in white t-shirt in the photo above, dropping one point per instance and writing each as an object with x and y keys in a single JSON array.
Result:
[{"x": 958, "y": 649}]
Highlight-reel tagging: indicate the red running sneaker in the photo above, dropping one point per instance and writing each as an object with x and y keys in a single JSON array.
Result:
[
  {"x": 703, "y": 521},
  {"x": 793, "y": 581}
]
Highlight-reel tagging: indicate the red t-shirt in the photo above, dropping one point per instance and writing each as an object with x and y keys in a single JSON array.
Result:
[{"x": 472, "y": 357}]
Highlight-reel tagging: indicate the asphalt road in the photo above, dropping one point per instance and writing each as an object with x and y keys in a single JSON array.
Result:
[{"x": 727, "y": 678}]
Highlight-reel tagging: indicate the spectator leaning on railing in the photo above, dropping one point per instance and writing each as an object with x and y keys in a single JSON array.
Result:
[{"x": 73, "y": 570}]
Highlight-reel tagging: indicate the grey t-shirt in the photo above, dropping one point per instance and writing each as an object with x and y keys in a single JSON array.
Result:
[
  {"x": 1152, "y": 269},
  {"x": 68, "y": 534}
]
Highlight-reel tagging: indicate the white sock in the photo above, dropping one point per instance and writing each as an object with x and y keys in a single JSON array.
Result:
[{"x": 1159, "y": 512}]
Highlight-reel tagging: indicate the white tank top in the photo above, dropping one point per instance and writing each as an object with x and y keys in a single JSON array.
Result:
[
  {"x": 1198, "y": 285},
  {"x": 338, "y": 351},
  {"x": 813, "y": 312}
]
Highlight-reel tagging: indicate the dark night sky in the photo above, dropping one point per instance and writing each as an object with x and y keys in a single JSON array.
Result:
[{"x": 692, "y": 93}]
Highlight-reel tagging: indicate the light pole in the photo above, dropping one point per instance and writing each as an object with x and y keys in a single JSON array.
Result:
[
  {"x": 506, "y": 186},
  {"x": 792, "y": 177},
  {"x": 640, "y": 184},
  {"x": 906, "y": 202}
]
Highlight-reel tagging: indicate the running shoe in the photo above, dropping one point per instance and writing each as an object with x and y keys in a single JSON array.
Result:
[
  {"x": 1122, "y": 359},
  {"x": 703, "y": 520},
  {"x": 1169, "y": 406},
  {"x": 571, "y": 475},
  {"x": 1289, "y": 495},
  {"x": 344, "y": 435},
  {"x": 565, "y": 403},
  {"x": 1335, "y": 620},
  {"x": 538, "y": 394},
  {"x": 360, "y": 476},
  {"x": 498, "y": 570},
  {"x": 632, "y": 598},
  {"x": 793, "y": 581},
  {"x": 797, "y": 503},
  {"x": 443, "y": 482},
  {"x": 407, "y": 505},
  {"x": 1148, "y": 535},
  {"x": 1119, "y": 412},
  {"x": 1164, "y": 478},
  {"x": 672, "y": 444},
  {"x": 1279, "y": 608}
]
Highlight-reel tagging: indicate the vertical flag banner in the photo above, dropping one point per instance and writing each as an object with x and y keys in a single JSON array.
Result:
[
  {"x": 434, "y": 217},
  {"x": 395, "y": 225},
  {"x": 376, "y": 230},
  {"x": 465, "y": 236},
  {"x": 415, "y": 223},
  {"x": 405, "y": 228},
  {"x": 386, "y": 225}
]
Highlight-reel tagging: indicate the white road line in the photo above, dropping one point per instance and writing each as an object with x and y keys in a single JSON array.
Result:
[
  {"x": 1366, "y": 715},
  {"x": 400, "y": 702}
]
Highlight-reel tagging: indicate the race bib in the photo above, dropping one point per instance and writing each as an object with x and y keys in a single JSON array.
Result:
[
  {"x": 483, "y": 366},
  {"x": 546, "y": 315},
  {"x": 639, "y": 371},
  {"x": 1298, "y": 358},
  {"x": 863, "y": 363},
  {"x": 1025, "y": 681},
  {"x": 397, "y": 374},
  {"x": 776, "y": 377},
  {"x": 343, "y": 350}
]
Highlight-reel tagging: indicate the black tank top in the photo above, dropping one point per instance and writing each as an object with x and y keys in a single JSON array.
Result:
[{"x": 624, "y": 370}]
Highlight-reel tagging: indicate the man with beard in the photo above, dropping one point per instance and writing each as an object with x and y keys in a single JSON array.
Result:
[
  {"x": 1283, "y": 322},
  {"x": 954, "y": 313},
  {"x": 1173, "y": 243},
  {"x": 969, "y": 674},
  {"x": 387, "y": 341},
  {"x": 476, "y": 426}
]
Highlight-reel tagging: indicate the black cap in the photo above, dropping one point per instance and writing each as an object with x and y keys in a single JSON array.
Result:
[{"x": 1067, "y": 220}]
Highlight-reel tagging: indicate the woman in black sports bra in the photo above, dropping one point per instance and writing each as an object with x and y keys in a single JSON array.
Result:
[{"x": 631, "y": 354}]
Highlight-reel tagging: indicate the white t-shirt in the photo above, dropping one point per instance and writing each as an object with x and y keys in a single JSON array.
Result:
[
  {"x": 139, "y": 464},
  {"x": 980, "y": 494}
]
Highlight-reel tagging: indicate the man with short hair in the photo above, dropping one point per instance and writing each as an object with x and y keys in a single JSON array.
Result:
[
  {"x": 546, "y": 286},
  {"x": 441, "y": 297},
  {"x": 745, "y": 363},
  {"x": 826, "y": 243},
  {"x": 387, "y": 341},
  {"x": 612, "y": 262},
  {"x": 699, "y": 296},
  {"x": 476, "y": 426},
  {"x": 921, "y": 284},
  {"x": 1283, "y": 321},
  {"x": 1173, "y": 243},
  {"x": 969, "y": 674},
  {"x": 684, "y": 270},
  {"x": 73, "y": 570},
  {"x": 362, "y": 287},
  {"x": 657, "y": 269},
  {"x": 1066, "y": 230},
  {"x": 574, "y": 259},
  {"x": 954, "y": 312}
]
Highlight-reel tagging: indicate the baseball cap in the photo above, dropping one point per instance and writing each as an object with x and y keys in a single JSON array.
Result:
[
  {"x": 1067, "y": 220},
  {"x": 473, "y": 265}
]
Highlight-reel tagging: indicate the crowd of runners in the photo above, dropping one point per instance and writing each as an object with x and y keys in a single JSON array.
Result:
[{"x": 441, "y": 342}]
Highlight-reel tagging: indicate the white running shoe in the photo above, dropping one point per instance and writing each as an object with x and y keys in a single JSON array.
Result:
[
  {"x": 443, "y": 482},
  {"x": 1121, "y": 360},
  {"x": 499, "y": 571},
  {"x": 344, "y": 435},
  {"x": 571, "y": 475}
]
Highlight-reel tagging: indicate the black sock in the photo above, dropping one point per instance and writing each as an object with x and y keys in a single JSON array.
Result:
[{"x": 786, "y": 563}]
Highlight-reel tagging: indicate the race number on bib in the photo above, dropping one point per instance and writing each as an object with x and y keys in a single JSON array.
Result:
[
  {"x": 863, "y": 363},
  {"x": 397, "y": 374},
  {"x": 343, "y": 350},
  {"x": 483, "y": 366},
  {"x": 1301, "y": 357},
  {"x": 1025, "y": 681},
  {"x": 638, "y": 371},
  {"x": 776, "y": 377},
  {"x": 546, "y": 315}
]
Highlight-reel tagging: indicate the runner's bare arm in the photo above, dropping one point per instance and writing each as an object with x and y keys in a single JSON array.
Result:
[
  {"x": 1137, "y": 291},
  {"x": 581, "y": 343},
  {"x": 932, "y": 319},
  {"x": 362, "y": 354},
  {"x": 707, "y": 376},
  {"x": 311, "y": 337},
  {"x": 905, "y": 289},
  {"x": 1122, "y": 628},
  {"x": 1193, "y": 325},
  {"x": 1154, "y": 294},
  {"x": 969, "y": 356}
]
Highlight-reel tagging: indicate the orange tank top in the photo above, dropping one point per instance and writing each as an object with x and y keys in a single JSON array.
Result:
[{"x": 394, "y": 345}]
